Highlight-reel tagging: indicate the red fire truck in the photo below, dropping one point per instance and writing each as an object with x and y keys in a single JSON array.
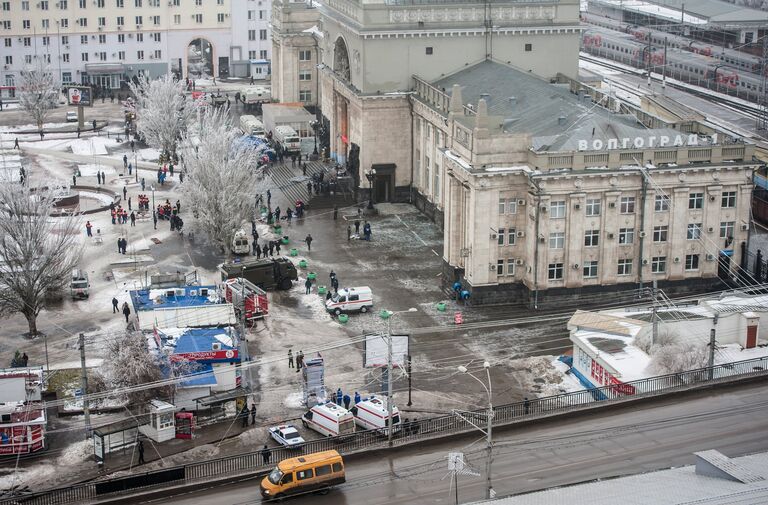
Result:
[{"x": 256, "y": 304}]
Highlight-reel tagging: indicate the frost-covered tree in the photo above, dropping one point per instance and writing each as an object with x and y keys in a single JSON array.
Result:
[
  {"x": 221, "y": 176},
  {"x": 163, "y": 112},
  {"x": 38, "y": 92},
  {"x": 37, "y": 252},
  {"x": 676, "y": 355}
]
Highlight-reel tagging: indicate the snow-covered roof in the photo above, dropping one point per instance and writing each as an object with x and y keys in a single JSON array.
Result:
[
  {"x": 616, "y": 352},
  {"x": 181, "y": 296}
]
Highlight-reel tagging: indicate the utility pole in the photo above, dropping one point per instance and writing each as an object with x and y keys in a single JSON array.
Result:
[
  {"x": 762, "y": 118},
  {"x": 655, "y": 317},
  {"x": 664, "y": 67},
  {"x": 410, "y": 371},
  {"x": 84, "y": 386},
  {"x": 389, "y": 380},
  {"x": 711, "y": 361}
]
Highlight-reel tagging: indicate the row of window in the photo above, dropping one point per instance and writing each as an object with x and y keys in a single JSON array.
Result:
[
  {"x": 44, "y": 5},
  {"x": 593, "y": 207},
  {"x": 555, "y": 271},
  {"x": 252, "y": 34},
  {"x": 157, "y": 54},
  {"x": 101, "y": 22}
]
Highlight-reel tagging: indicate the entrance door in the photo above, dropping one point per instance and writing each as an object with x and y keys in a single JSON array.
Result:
[
  {"x": 724, "y": 264},
  {"x": 223, "y": 66},
  {"x": 384, "y": 182}
]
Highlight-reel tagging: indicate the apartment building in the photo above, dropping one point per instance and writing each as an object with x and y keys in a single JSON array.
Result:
[{"x": 107, "y": 42}]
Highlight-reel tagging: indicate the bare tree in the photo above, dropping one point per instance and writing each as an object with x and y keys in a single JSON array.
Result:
[
  {"x": 221, "y": 177},
  {"x": 163, "y": 112},
  {"x": 38, "y": 92},
  {"x": 37, "y": 252}
]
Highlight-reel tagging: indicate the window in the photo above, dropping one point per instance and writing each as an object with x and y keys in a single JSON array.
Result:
[
  {"x": 593, "y": 207},
  {"x": 156, "y": 37},
  {"x": 198, "y": 2},
  {"x": 528, "y": 48},
  {"x": 430, "y": 50},
  {"x": 43, "y": 5},
  {"x": 158, "y": 54},
  {"x": 82, "y": 21},
  {"x": 660, "y": 233},
  {"x": 627, "y": 205},
  {"x": 139, "y": 20},
  {"x": 6, "y": 6},
  {"x": 512, "y": 206},
  {"x": 262, "y": 14},
  {"x": 305, "y": 95},
  {"x": 46, "y": 40},
  {"x": 510, "y": 266},
  {"x": 262, "y": 34},
  {"x": 102, "y": 38},
  {"x": 337, "y": 467},
  {"x": 28, "y": 59},
  {"x": 624, "y": 267},
  {"x": 323, "y": 470},
  {"x": 103, "y": 56},
  {"x": 154, "y": 3},
  {"x": 46, "y": 23},
  {"x": 728, "y": 200},
  {"x": 139, "y": 55},
  {"x": 198, "y": 18},
  {"x": 64, "y": 23},
  {"x": 220, "y": 17},
  {"x": 696, "y": 201},
  {"x": 83, "y": 39},
  {"x": 121, "y": 38},
  {"x": 727, "y": 228},
  {"x": 24, "y": 24},
  {"x": 499, "y": 267},
  {"x": 502, "y": 202},
  {"x": 659, "y": 264},
  {"x": 65, "y": 39},
  {"x": 177, "y": 19},
  {"x": 557, "y": 240},
  {"x": 137, "y": 3},
  {"x": 263, "y": 54},
  {"x": 66, "y": 77},
  {"x": 8, "y": 59},
  {"x": 691, "y": 261},
  {"x": 661, "y": 203},
  {"x": 557, "y": 209},
  {"x": 626, "y": 236},
  {"x": 251, "y": 15},
  {"x": 305, "y": 474},
  {"x": 591, "y": 238},
  {"x": 84, "y": 56},
  {"x": 8, "y": 42},
  {"x": 139, "y": 37},
  {"x": 252, "y": 55},
  {"x": 694, "y": 231},
  {"x": 100, "y": 3},
  {"x": 155, "y": 20},
  {"x": 25, "y": 5},
  {"x": 120, "y": 3},
  {"x": 121, "y": 55},
  {"x": 251, "y": 34},
  {"x": 500, "y": 236},
  {"x": 305, "y": 55},
  {"x": 27, "y": 41},
  {"x": 511, "y": 236},
  {"x": 555, "y": 271},
  {"x": 590, "y": 269}
]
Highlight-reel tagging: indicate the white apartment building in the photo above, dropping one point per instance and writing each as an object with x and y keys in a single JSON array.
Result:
[{"x": 107, "y": 42}]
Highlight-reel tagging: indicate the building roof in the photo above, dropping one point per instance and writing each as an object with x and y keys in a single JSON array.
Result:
[
  {"x": 557, "y": 120},
  {"x": 183, "y": 296},
  {"x": 698, "y": 12},
  {"x": 202, "y": 376},
  {"x": 715, "y": 480}
]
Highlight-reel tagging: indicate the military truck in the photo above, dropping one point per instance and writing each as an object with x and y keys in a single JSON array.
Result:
[{"x": 267, "y": 273}]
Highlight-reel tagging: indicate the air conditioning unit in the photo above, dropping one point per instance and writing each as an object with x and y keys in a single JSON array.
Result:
[
  {"x": 492, "y": 267},
  {"x": 542, "y": 239},
  {"x": 710, "y": 257},
  {"x": 130, "y": 35},
  {"x": 576, "y": 266},
  {"x": 216, "y": 346},
  {"x": 710, "y": 229},
  {"x": 677, "y": 259},
  {"x": 138, "y": 27},
  {"x": 744, "y": 227},
  {"x": 521, "y": 234},
  {"x": 519, "y": 262},
  {"x": 521, "y": 203},
  {"x": 101, "y": 28},
  {"x": 641, "y": 234},
  {"x": 93, "y": 37},
  {"x": 610, "y": 235},
  {"x": 543, "y": 208},
  {"x": 645, "y": 262},
  {"x": 612, "y": 205},
  {"x": 494, "y": 236},
  {"x": 120, "y": 27},
  {"x": 577, "y": 206},
  {"x": 712, "y": 198}
]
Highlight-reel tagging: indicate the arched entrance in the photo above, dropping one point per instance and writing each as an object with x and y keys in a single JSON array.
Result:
[
  {"x": 199, "y": 59},
  {"x": 341, "y": 104},
  {"x": 341, "y": 59}
]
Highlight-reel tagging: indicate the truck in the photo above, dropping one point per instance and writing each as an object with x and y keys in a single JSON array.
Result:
[
  {"x": 245, "y": 295},
  {"x": 266, "y": 273},
  {"x": 256, "y": 95},
  {"x": 250, "y": 125},
  {"x": 288, "y": 139}
]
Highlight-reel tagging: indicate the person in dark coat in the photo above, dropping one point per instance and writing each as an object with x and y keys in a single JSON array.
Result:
[
  {"x": 256, "y": 248},
  {"x": 290, "y": 359},
  {"x": 265, "y": 454},
  {"x": 141, "y": 452},
  {"x": 308, "y": 286},
  {"x": 335, "y": 284},
  {"x": 265, "y": 251},
  {"x": 357, "y": 227},
  {"x": 244, "y": 416},
  {"x": 357, "y": 398},
  {"x": 277, "y": 247},
  {"x": 308, "y": 240},
  {"x": 115, "y": 304},
  {"x": 309, "y": 188},
  {"x": 126, "y": 311},
  {"x": 271, "y": 247},
  {"x": 347, "y": 400},
  {"x": 253, "y": 414},
  {"x": 339, "y": 396},
  {"x": 299, "y": 360},
  {"x": 349, "y": 233},
  {"x": 119, "y": 245},
  {"x": 133, "y": 218}
]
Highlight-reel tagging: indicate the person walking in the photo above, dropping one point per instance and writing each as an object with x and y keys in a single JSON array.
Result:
[
  {"x": 357, "y": 227},
  {"x": 335, "y": 212},
  {"x": 277, "y": 247},
  {"x": 367, "y": 231},
  {"x": 299, "y": 360},
  {"x": 143, "y": 183},
  {"x": 119, "y": 244},
  {"x": 16, "y": 144},
  {"x": 88, "y": 227},
  {"x": 98, "y": 177},
  {"x": 349, "y": 233},
  {"x": 289, "y": 215},
  {"x": 265, "y": 251},
  {"x": 357, "y": 398},
  {"x": 526, "y": 405},
  {"x": 103, "y": 177},
  {"x": 269, "y": 198},
  {"x": 129, "y": 203},
  {"x": 256, "y": 249},
  {"x": 347, "y": 400},
  {"x": 244, "y": 416},
  {"x": 335, "y": 284},
  {"x": 133, "y": 146},
  {"x": 125, "y": 192},
  {"x": 308, "y": 286},
  {"x": 126, "y": 311},
  {"x": 309, "y": 189},
  {"x": 253, "y": 414},
  {"x": 133, "y": 218},
  {"x": 140, "y": 448},
  {"x": 130, "y": 168},
  {"x": 265, "y": 454},
  {"x": 114, "y": 305},
  {"x": 339, "y": 397},
  {"x": 277, "y": 214},
  {"x": 308, "y": 240},
  {"x": 271, "y": 247},
  {"x": 125, "y": 160},
  {"x": 290, "y": 359}
]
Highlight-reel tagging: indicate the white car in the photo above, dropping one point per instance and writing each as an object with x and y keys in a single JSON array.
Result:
[
  {"x": 286, "y": 435},
  {"x": 71, "y": 116}
]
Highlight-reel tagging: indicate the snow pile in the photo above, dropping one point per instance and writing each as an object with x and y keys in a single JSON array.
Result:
[
  {"x": 48, "y": 474},
  {"x": 545, "y": 376},
  {"x": 91, "y": 146},
  {"x": 100, "y": 197},
  {"x": 148, "y": 154},
  {"x": 294, "y": 400},
  {"x": 90, "y": 170}
]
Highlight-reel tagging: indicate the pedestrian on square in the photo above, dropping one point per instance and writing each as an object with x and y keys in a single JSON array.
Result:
[
  {"x": 309, "y": 189},
  {"x": 347, "y": 400},
  {"x": 130, "y": 168},
  {"x": 126, "y": 311},
  {"x": 74, "y": 180},
  {"x": 94, "y": 124},
  {"x": 367, "y": 231},
  {"x": 154, "y": 218},
  {"x": 41, "y": 135},
  {"x": 304, "y": 169},
  {"x": 357, "y": 398},
  {"x": 141, "y": 452},
  {"x": 133, "y": 218},
  {"x": 133, "y": 146},
  {"x": 98, "y": 177},
  {"x": 265, "y": 251},
  {"x": 308, "y": 240},
  {"x": 335, "y": 284},
  {"x": 269, "y": 198},
  {"x": 253, "y": 414},
  {"x": 78, "y": 132},
  {"x": 119, "y": 245},
  {"x": 308, "y": 285},
  {"x": 125, "y": 192},
  {"x": 170, "y": 169},
  {"x": 277, "y": 213},
  {"x": 339, "y": 397},
  {"x": 103, "y": 178},
  {"x": 290, "y": 359},
  {"x": 271, "y": 247},
  {"x": 526, "y": 405},
  {"x": 142, "y": 183},
  {"x": 114, "y": 305},
  {"x": 256, "y": 249},
  {"x": 277, "y": 247},
  {"x": 265, "y": 454},
  {"x": 88, "y": 227},
  {"x": 357, "y": 227},
  {"x": 299, "y": 360},
  {"x": 16, "y": 143},
  {"x": 244, "y": 416},
  {"x": 129, "y": 203},
  {"x": 335, "y": 212},
  {"x": 125, "y": 161},
  {"x": 181, "y": 177}
]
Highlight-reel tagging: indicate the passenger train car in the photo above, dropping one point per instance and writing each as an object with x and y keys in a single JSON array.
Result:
[
  {"x": 698, "y": 69},
  {"x": 742, "y": 61}
]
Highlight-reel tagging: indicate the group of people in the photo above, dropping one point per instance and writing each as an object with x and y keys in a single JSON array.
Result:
[
  {"x": 122, "y": 245},
  {"x": 143, "y": 202},
  {"x": 126, "y": 309},
  {"x": 268, "y": 249},
  {"x": 120, "y": 215},
  {"x": 162, "y": 173},
  {"x": 299, "y": 360}
]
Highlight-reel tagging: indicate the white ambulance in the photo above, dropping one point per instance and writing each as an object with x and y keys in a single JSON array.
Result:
[
  {"x": 329, "y": 419},
  {"x": 349, "y": 299},
  {"x": 372, "y": 414}
]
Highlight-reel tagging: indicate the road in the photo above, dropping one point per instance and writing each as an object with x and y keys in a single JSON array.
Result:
[{"x": 604, "y": 444}]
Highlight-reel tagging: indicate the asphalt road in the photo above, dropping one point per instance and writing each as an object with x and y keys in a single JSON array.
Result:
[{"x": 546, "y": 454}]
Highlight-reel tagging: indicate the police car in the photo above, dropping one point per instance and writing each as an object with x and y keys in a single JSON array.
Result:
[{"x": 286, "y": 435}]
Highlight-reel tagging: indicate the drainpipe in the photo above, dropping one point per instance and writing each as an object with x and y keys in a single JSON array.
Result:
[
  {"x": 642, "y": 226},
  {"x": 536, "y": 247},
  {"x": 413, "y": 157}
]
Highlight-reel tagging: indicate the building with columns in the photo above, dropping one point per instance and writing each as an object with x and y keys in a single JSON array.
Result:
[
  {"x": 555, "y": 191},
  {"x": 106, "y": 42}
]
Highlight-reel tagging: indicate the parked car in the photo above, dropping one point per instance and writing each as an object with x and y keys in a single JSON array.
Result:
[
  {"x": 71, "y": 116},
  {"x": 286, "y": 435}
]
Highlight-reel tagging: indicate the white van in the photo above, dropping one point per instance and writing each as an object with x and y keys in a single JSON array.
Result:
[
  {"x": 250, "y": 125},
  {"x": 349, "y": 299},
  {"x": 288, "y": 139},
  {"x": 329, "y": 420},
  {"x": 372, "y": 414},
  {"x": 240, "y": 244}
]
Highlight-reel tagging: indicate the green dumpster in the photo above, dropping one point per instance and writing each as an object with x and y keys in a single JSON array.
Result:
[
  {"x": 321, "y": 289},
  {"x": 384, "y": 314},
  {"x": 294, "y": 252},
  {"x": 303, "y": 264},
  {"x": 343, "y": 318},
  {"x": 441, "y": 307},
  {"x": 311, "y": 276},
  {"x": 285, "y": 240}
]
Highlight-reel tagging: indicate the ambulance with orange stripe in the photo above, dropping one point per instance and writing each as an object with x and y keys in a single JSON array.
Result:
[
  {"x": 329, "y": 419},
  {"x": 372, "y": 414}
]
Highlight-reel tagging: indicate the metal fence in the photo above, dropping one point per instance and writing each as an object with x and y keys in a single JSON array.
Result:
[{"x": 411, "y": 432}]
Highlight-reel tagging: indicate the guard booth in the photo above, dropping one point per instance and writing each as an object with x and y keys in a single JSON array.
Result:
[
  {"x": 161, "y": 426},
  {"x": 185, "y": 425}
]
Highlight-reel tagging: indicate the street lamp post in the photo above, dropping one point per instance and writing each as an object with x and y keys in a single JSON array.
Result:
[
  {"x": 154, "y": 216},
  {"x": 489, "y": 427},
  {"x": 315, "y": 124},
  {"x": 370, "y": 174},
  {"x": 389, "y": 371}
]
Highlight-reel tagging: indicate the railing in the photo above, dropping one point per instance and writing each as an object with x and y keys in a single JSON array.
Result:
[{"x": 423, "y": 429}]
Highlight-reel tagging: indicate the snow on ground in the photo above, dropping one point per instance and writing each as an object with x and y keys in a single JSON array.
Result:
[
  {"x": 44, "y": 475},
  {"x": 546, "y": 376},
  {"x": 31, "y": 126},
  {"x": 91, "y": 146},
  {"x": 89, "y": 363},
  {"x": 90, "y": 170},
  {"x": 148, "y": 154}
]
